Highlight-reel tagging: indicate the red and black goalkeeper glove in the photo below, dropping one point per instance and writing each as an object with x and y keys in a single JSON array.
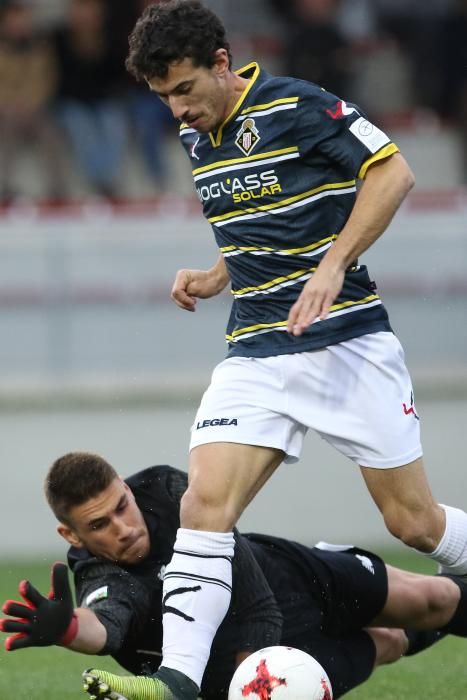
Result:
[{"x": 40, "y": 621}]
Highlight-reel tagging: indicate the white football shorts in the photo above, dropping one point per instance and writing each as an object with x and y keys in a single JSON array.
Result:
[{"x": 357, "y": 395}]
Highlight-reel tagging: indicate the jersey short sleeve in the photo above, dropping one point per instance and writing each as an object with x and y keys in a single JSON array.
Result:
[
  {"x": 336, "y": 135},
  {"x": 117, "y": 598}
]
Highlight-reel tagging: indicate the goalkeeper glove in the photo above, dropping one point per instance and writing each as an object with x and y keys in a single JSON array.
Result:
[{"x": 40, "y": 621}]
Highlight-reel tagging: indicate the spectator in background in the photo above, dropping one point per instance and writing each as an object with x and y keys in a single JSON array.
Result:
[
  {"x": 27, "y": 84},
  {"x": 151, "y": 121},
  {"x": 414, "y": 26},
  {"x": 315, "y": 48},
  {"x": 452, "y": 61},
  {"x": 89, "y": 104}
]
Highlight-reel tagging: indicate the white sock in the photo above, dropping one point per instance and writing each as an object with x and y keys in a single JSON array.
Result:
[
  {"x": 451, "y": 552},
  {"x": 196, "y": 593}
]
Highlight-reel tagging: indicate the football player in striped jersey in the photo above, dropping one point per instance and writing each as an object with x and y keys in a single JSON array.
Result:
[{"x": 297, "y": 184}]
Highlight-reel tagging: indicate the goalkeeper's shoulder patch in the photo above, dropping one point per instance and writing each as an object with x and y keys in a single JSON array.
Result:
[{"x": 98, "y": 594}]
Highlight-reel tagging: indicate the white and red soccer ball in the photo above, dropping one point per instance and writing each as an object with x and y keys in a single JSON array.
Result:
[{"x": 280, "y": 673}]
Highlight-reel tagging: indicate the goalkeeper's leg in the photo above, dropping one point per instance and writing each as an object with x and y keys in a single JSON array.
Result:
[{"x": 193, "y": 607}]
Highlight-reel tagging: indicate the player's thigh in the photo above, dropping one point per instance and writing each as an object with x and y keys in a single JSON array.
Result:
[
  {"x": 404, "y": 599},
  {"x": 223, "y": 479},
  {"x": 416, "y": 600}
]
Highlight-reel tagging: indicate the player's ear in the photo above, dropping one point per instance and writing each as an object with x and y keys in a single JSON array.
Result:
[
  {"x": 221, "y": 61},
  {"x": 129, "y": 492},
  {"x": 69, "y": 535}
]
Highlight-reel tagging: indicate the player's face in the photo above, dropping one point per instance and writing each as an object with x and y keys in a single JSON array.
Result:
[
  {"x": 202, "y": 97},
  {"x": 109, "y": 525}
]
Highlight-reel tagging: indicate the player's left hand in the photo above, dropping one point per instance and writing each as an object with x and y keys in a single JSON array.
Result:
[
  {"x": 316, "y": 298},
  {"x": 41, "y": 621}
]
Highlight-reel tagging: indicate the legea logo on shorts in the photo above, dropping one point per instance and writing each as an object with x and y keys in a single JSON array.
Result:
[{"x": 216, "y": 421}]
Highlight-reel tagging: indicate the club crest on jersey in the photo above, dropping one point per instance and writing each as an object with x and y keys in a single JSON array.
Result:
[{"x": 247, "y": 136}]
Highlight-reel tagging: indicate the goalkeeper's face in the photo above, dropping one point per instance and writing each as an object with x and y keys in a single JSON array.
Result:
[{"x": 109, "y": 525}]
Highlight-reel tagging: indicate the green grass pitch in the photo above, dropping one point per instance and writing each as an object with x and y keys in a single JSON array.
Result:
[{"x": 55, "y": 674}]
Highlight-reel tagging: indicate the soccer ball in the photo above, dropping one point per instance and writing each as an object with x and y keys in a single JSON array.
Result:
[{"x": 280, "y": 673}]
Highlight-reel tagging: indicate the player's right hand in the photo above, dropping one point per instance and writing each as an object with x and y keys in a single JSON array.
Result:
[
  {"x": 191, "y": 285},
  {"x": 41, "y": 621}
]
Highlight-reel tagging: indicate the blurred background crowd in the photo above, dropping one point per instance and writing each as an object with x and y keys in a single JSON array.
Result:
[
  {"x": 73, "y": 124},
  {"x": 97, "y": 212}
]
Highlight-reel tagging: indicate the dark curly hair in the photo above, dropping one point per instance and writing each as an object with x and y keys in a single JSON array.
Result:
[
  {"x": 75, "y": 478},
  {"x": 170, "y": 31}
]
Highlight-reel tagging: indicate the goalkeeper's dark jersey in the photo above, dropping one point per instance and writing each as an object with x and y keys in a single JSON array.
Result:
[
  {"x": 277, "y": 183},
  {"x": 283, "y": 593}
]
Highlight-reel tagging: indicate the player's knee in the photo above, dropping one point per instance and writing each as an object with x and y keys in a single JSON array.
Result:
[
  {"x": 205, "y": 509},
  {"x": 442, "y": 598},
  {"x": 414, "y": 527},
  {"x": 390, "y": 644}
]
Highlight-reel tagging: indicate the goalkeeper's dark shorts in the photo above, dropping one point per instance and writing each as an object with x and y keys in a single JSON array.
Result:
[
  {"x": 327, "y": 599},
  {"x": 353, "y": 590},
  {"x": 348, "y": 661}
]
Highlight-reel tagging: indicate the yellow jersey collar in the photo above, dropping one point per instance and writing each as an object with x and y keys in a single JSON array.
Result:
[{"x": 254, "y": 69}]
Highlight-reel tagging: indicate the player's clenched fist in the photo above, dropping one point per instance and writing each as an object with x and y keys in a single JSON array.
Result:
[{"x": 191, "y": 285}]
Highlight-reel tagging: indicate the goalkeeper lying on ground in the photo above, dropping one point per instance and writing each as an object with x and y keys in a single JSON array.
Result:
[{"x": 346, "y": 608}]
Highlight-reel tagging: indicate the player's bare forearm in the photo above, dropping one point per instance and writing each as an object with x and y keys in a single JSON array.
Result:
[
  {"x": 385, "y": 187},
  {"x": 386, "y": 184},
  {"x": 219, "y": 274},
  {"x": 91, "y": 636},
  {"x": 191, "y": 285}
]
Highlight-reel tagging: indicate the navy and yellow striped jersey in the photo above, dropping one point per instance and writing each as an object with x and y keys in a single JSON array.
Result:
[{"x": 277, "y": 183}]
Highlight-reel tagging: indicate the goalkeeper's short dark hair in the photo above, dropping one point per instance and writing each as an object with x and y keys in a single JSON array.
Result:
[
  {"x": 170, "y": 31},
  {"x": 73, "y": 479}
]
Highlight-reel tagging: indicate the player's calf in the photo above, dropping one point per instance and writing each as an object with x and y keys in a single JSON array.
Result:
[{"x": 390, "y": 644}]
